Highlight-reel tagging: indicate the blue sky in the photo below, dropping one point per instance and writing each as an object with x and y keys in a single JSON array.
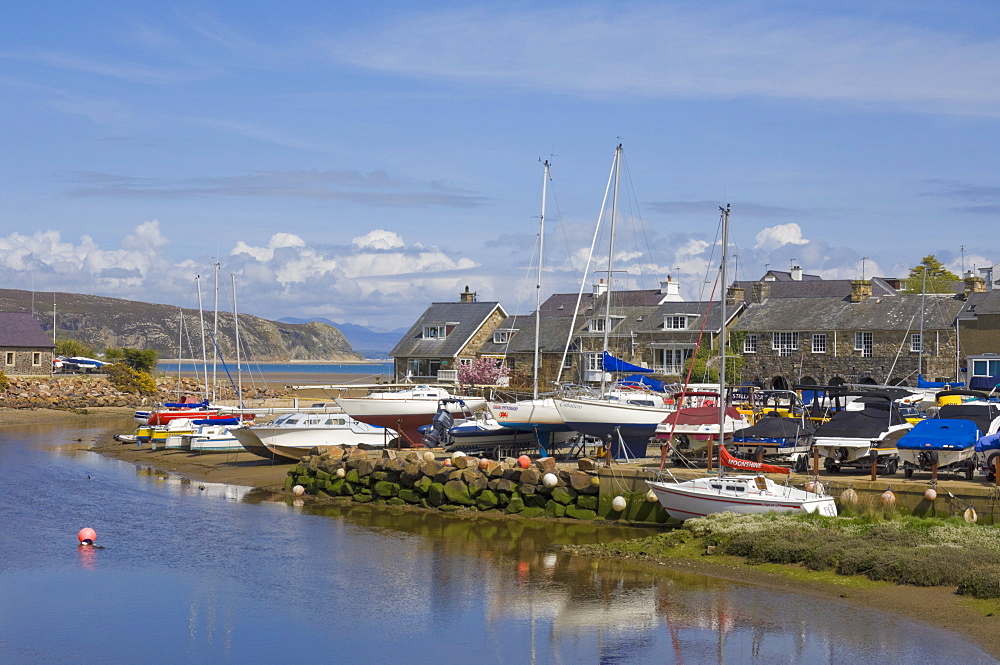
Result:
[{"x": 357, "y": 161}]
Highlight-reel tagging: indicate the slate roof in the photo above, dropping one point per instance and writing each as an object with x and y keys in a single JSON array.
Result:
[
  {"x": 900, "y": 312},
  {"x": 468, "y": 317},
  {"x": 551, "y": 339},
  {"x": 982, "y": 303},
  {"x": 783, "y": 276},
  {"x": 818, "y": 288},
  {"x": 20, "y": 329}
]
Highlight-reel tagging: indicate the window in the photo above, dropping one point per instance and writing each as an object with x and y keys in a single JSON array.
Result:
[
  {"x": 436, "y": 331},
  {"x": 819, "y": 343},
  {"x": 986, "y": 368},
  {"x": 568, "y": 361},
  {"x": 503, "y": 336},
  {"x": 675, "y": 322},
  {"x": 916, "y": 344},
  {"x": 425, "y": 367},
  {"x": 10, "y": 357},
  {"x": 597, "y": 324},
  {"x": 464, "y": 362},
  {"x": 863, "y": 343},
  {"x": 36, "y": 358},
  {"x": 595, "y": 362},
  {"x": 671, "y": 361},
  {"x": 750, "y": 344},
  {"x": 785, "y": 343}
]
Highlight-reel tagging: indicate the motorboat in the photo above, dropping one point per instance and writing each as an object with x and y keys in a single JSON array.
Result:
[
  {"x": 539, "y": 416},
  {"x": 862, "y": 430},
  {"x": 941, "y": 444},
  {"x": 740, "y": 493},
  {"x": 481, "y": 434},
  {"x": 405, "y": 410},
  {"x": 293, "y": 435},
  {"x": 690, "y": 428},
  {"x": 214, "y": 436},
  {"x": 627, "y": 421},
  {"x": 781, "y": 433}
]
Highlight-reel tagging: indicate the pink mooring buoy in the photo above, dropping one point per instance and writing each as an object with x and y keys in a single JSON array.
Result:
[
  {"x": 87, "y": 534},
  {"x": 524, "y": 461}
]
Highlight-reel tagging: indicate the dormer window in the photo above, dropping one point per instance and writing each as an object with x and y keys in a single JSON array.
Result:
[
  {"x": 597, "y": 324},
  {"x": 435, "y": 331},
  {"x": 674, "y": 322},
  {"x": 503, "y": 336}
]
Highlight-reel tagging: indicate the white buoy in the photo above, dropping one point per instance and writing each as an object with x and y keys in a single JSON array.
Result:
[
  {"x": 298, "y": 490},
  {"x": 550, "y": 480},
  {"x": 811, "y": 486},
  {"x": 619, "y": 503},
  {"x": 651, "y": 496},
  {"x": 849, "y": 497},
  {"x": 930, "y": 494},
  {"x": 428, "y": 456},
  {"x": 341, "y": 473},
  {"x": 455, "y": 455},
  {"x": 970, "y": 514}
]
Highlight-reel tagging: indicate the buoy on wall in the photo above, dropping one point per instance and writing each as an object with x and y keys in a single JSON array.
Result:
[
  {"x": 619, "y": 503},
  {"x": 970, "y": 514},
  {"x": 341, "y": 473},
  {"x": 550, "y": 480},
  {"x": 651, "y": 496},
  {"x": 930, "y": 494},
  {"x": 849, "y": 497},
  {"x": 524, "y": 461},
  {"x": 888, "y": 498}
]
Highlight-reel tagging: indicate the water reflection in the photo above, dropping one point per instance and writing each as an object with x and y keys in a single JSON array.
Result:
[{"x": 221, "y": 574}]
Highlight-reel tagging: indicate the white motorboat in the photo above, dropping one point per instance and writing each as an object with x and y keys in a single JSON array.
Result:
[
  {"x": 480, "y": 434},
  {"x": 744, "y": 494},
  {"x": 405, "y": 410},
  {"x": 293, "y": 435},
  {"x": 861, "y": 430},
  {"x": 213, "y": 437}
]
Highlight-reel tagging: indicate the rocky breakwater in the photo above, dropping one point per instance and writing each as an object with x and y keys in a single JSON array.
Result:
[{"x": 418, "y": 478}]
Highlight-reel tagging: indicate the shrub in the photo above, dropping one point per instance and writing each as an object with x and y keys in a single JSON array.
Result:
[
  {"x": 73, "y": 347},
  {"x": 4, "y": 381},
  {"x": 127, "y": 380},
  {"x": 143, "y": 360},
  {"x": 982, "y": 582}
]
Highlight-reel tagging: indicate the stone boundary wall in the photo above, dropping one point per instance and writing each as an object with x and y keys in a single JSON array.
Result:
[{"x": 419, "y": 479}]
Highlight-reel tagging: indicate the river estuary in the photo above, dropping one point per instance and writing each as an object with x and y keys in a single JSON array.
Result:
[{"x": 198, "y": 572}]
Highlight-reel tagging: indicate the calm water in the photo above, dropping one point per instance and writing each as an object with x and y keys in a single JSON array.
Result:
[
  {"x": 203, "y": 573},
  {"x": 380, "y": 368}
]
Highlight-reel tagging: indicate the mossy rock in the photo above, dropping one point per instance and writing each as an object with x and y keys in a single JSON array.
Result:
[
  {"x": 323, "y": 495},
  {"x": 458, "y": 492},
  {"x": 422, "y": 484},
  {"x": 289, "y": 483},
  {"x": 515, "y": 504},
  {"x": 347, "y": 489},
  {"x": 535, "y": 500},
  {"x": 487, "y": 500},
  {"x": 563, "y": 495},
  {"x": 363, "y": 498},
  {"x": 587, "y": 502},
  {"x": 449, "y": 508},
  {"x": 581, "y": 513},
  {"x": 322, "y": 475},
  {"x": 335, "y": 486},
  {"x": 435, "y": 495},
  {"x": 305, "y": 481},
  {"x": 409, "y": 496},
  {"x": 379, "y": 476},
  {"x": 555, "y": 509},
  {"x": 395, "y": 501},
  {"x": 384, "y": 488},
  {"x": 352, "y": 476},
  {"x": 533, "y": 512}
]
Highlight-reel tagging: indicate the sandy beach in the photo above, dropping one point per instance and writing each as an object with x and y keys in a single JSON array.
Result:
[{"x": 937, "y": 606}]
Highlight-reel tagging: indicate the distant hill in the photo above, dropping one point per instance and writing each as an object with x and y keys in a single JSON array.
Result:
[
  {"x": 366, "y": 340},
  {"x": 113, "y": 322}
]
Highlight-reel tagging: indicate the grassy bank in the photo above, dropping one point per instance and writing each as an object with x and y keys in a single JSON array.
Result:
[{"x": 900, "y": 550}]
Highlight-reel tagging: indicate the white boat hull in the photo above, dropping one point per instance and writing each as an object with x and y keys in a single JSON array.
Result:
[
  {"x": 737, "y": 494},
  {"x": 633, "y": 423},
  {"x": 404, "y": 415}
]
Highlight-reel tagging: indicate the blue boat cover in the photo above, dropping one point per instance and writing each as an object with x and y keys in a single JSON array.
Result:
[
  {"x": 216, "y": 421},
  {"x": 924, "y": 383},
  {"x": 612, "y": 364},
  {"x": 940, "y": 434},
  {"x": 187, "y": 405},
  {"x": 652, "y": 384}
]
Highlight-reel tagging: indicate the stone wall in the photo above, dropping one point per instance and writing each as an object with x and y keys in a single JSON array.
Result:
[
  {"x": 419, "y": 479},
  {"x": 23, "y": 361}
]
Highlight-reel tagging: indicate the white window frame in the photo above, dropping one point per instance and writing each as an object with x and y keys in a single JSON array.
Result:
[
  {"x": 597, "y": 324},
  {"x": 36, "y": 358},
  {"x": 595, "y": 362},
  {"x": 675, "y": 322},
  {"x": 435, "y": 331},
  {"x": 10, "y": 358},
  {"x": 819, "y": 342},
  {"x": 750, "y": 343},
  {"x": 785, "y": 343},
  {"x": 502, "y": 336},
  {"x": 916, "y": 343},
  {"x": 864, "y": 341}
]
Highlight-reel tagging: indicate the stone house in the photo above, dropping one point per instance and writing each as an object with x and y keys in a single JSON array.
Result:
[
  {"x": 447, "y": 335},
  {"x": 979, "y": 334},
  {"x": 24, "y": 346},
  {"x": 863, "y": 338}
]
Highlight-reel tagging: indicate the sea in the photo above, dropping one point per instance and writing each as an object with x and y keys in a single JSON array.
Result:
[
  {"x": 206, "y": 573},
  {"x": 374, "y": 367}
]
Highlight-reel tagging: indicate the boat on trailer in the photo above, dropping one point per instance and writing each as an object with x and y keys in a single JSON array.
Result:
[{"x": 862, "y": 430}]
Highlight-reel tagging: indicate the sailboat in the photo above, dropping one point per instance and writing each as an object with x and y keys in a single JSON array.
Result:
[
  {"x": 730, "y": 492},
  {"x": 538, "y": 415},
  {"x": 625, "y": 419}
]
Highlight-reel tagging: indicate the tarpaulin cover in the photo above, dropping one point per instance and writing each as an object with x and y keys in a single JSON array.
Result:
[
  {"x": 775, "y": 427},
  {"x": 612, "y": 364},
  {"x": 700, "y": 415},
  {"x": 867, "y": 424},
  {"x": 652, "y": 384},
  {"x": 981, "y": 414},
  {"x": 940, "y": 434}
]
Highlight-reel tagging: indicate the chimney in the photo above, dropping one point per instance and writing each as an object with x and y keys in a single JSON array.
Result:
[
  {"x": 973, "y": 284},
  {"x": 599, "y": 288},
  {"x": 670, "y": 290},
  {"x": 796, "y": 273},
  {"x": 860, "y": 289},
  {"x": 735, "y": 295},
  {"x": 759, "y": 292},
  {"x": 467, "y": 296}
]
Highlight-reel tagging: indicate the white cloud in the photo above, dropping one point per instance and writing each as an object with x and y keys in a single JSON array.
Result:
[
  {"x": 773, "y": 237},
  {"x": 379, "y": 239},
  {"x": 264, "y": 254}
]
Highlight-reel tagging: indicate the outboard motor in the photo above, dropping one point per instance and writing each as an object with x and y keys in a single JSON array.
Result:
[{"x": 437, "y": 435}]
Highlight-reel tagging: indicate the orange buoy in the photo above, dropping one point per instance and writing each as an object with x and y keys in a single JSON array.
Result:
[
  {"x": 484, "y": 463},
  {"x": 446, "y": 461},
  {"x": 888, "y": 498},
  {"x": 87, "y": 534},
  {"x": 524, "y": 461}
]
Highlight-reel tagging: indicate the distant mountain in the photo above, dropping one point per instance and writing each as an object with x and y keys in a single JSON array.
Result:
[
  {"x": 369, "y": 341},
  {"x": 113, "y": 322}
]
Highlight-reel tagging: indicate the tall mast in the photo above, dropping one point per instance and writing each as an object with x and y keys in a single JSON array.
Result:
[
  {"x": 722, "y": 347},
  {"x": 611, "y": 254},
  {"x": 239, "y": 367},
  {"x": 204, "y": 346},
  {"x": 215, "y": 331},
  {"x": 923, "y": 302},
  {"x": 538, "y": 281}
]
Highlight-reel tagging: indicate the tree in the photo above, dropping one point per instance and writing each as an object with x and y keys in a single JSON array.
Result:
[
  {"x": 939, "y": 278},
  {"x": 482, "y": 371},
  {"x": 73, "y": 347},
  {"x": 143, "y": 360}
]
